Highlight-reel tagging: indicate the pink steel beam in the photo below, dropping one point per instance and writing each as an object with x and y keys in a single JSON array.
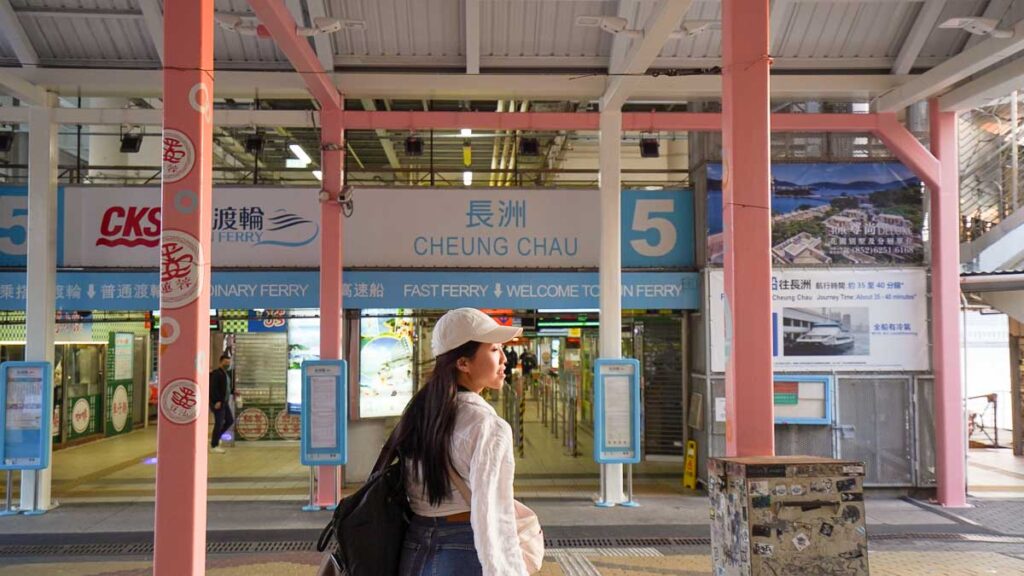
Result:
[
  {"x": 186, "y": 198},
  {"x": 332, "y": 140},
  {"x": 909, "y": 150},
  {"x": 746, "y": 203},
  {"x": 274, "y": 15},
  {"x": 950, "y": 445}
]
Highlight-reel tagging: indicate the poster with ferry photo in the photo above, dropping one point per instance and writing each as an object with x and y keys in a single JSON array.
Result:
[{"x": 840, "y": 214}]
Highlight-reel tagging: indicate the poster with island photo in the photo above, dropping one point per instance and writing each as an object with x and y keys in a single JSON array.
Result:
[{"x": 850, "y": 214}]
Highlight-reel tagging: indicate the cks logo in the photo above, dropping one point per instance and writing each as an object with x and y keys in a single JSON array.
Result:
[{"x": 130, "y": 226}]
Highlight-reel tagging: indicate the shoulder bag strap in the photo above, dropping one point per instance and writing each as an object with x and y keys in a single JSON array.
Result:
[{"x": 460, "y": 485}]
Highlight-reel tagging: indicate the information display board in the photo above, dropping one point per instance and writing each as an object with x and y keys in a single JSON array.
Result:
[
  {"x": 120, "y": 358},
  {"x": 324, "y": 412},
  {"x": 804, "y": 399},
  {"x": 617, "y": 411},
  {"x": 26, "y": 390}
]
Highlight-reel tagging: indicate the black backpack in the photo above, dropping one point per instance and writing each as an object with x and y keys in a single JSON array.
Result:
[{"x": 369, "y": 526}]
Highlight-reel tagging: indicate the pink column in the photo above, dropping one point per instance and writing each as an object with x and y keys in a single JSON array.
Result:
[
  {"x": 746, "y": 145},
  {"x": 180, "y": 531},
  {"x": 950, "y": 445},
  {"x": 332, "y": 140}
]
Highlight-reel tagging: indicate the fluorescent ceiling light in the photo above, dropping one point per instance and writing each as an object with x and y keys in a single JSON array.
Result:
[
  {"x": 318, "y": 175},
  {"x": 466, "y": 132},
  {"x": 467, "y": 178},
  {"x": 301, "y": 159}
]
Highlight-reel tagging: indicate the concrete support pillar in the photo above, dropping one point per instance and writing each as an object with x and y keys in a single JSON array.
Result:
[
  {"x": 746, "y": 163},
  {"x": 332, "y": 140},
  {"x": 610, "y": 273},
  {"x": 950, "y": 436},
  {"x": 41, "y": 293},
  {"x": 184, "y": 260}
]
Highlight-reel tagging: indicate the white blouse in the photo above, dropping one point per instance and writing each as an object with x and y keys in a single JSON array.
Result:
[{"x": 481, "y": 452}]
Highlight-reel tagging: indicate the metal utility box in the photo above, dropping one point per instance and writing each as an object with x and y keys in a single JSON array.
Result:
[{"x": 792, "y": 515}]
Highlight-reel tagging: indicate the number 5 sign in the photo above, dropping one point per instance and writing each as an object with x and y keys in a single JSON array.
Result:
[{"x": 657, "y": 228}]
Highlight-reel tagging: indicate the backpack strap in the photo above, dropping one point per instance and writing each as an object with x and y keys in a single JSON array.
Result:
[{"x": 460, "y": 485}]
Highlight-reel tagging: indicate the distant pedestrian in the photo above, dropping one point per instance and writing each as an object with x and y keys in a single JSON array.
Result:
[{"x": 221, "y": 389}]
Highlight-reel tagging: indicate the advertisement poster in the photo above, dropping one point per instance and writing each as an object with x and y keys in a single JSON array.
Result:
[
  {"x": 303, "y": 344},
  {"x": 838, "y": 319},
  {"x": 385, "y": 362},
  {"x": 867, "y": 214},
  {"x": 120, "y": 357}
]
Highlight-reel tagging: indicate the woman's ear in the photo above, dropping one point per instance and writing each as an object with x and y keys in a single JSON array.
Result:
[{"x": 462, "y": 364}]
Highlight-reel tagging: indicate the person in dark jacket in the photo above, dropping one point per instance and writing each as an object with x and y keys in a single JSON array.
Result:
[{"x": 220, "y": 391}]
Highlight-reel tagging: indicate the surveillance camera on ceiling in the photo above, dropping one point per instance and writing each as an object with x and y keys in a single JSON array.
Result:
[{"x": 977, "y": 26}]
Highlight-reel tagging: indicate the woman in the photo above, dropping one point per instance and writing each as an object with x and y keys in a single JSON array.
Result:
[{"x": 448, "y": 428}]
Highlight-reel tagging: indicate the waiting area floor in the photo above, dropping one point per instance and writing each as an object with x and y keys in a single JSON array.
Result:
[{"x": 123, "y": 468}]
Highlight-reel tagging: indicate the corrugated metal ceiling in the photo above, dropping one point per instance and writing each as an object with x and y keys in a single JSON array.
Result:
[{"x": 431, "y": 33}]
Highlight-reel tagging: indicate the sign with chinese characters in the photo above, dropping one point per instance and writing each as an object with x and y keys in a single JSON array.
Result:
[
  {"x": 179, "y": 401},
  {"x": 435, "y": 227},
  {"x": 837, "y": 320},
  {"x": 866, "y": 213},
  {"x": 85, "y": 416},
  {"x": 251, "y": 227},
  {"x": 25, "y": 399},
  {"x": 120, "y": 357},
  {"x": 365, "y": 289},
  {"x": 510, "y": 228}
]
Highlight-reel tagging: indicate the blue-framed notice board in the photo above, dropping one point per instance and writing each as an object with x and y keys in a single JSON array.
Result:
[
  {"x": 617, "y": 411},
  {"x": 324, "y": 413},
  {"x": 26, "y": 390},
  {"x": 802, "y": 399}
]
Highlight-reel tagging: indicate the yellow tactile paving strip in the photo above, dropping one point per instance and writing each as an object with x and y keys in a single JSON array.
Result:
[{"x": 885, "y": 563}]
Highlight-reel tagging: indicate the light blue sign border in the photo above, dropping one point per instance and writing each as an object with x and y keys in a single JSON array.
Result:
[
  {"x": 367, "y": 289},
  {"x": 827, "y": 380},
  {"x": 39, "y": 447},
  {"x": 604, "y": 454},
  {"x": 338, "y": 455}
]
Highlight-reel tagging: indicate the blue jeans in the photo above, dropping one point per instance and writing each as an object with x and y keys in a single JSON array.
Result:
[{"x": 437, "y": 547}]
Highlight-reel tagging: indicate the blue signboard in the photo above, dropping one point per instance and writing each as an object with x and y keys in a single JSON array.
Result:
[
  {"x": 26, "y": 390},
  {"x": 617, "y": 411},
  {"x": 425, "y": 290},
  {"x": 324, "y": 413},
  {"x": 14, "y": 226},
  {"x": 657, "y": 229}
]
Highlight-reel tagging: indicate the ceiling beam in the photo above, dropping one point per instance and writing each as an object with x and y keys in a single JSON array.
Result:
[
  {"x": 23, "y": 90},
  {"x": 455, "y": 86},
  {"x": 279, "y": 22},
  {"x": 154, "y": 18},
  {"x": 472, "y": 33},
  {"x": 998, "y": 83},
  {"x": 16, "y": 36},
  {"x": 924, "y": 25},
  {"x": 662, "y": 21},
  {"x": 322, "y": 42},
  {"x": 953, "y": 70}
]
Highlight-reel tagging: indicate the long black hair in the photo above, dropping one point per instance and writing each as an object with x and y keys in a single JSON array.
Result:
[{"x": 423, "y": 436}]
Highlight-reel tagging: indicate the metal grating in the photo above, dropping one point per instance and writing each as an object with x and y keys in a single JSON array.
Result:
[{"x": 663, "y": 390}]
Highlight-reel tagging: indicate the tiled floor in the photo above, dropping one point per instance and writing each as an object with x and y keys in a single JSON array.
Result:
[
  {"x": 995, "y": 473},
  {"x": 884, "y": 563}
]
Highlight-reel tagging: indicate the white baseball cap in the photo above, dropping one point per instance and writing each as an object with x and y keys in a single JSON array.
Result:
[{"x": 463, "y": 325}]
